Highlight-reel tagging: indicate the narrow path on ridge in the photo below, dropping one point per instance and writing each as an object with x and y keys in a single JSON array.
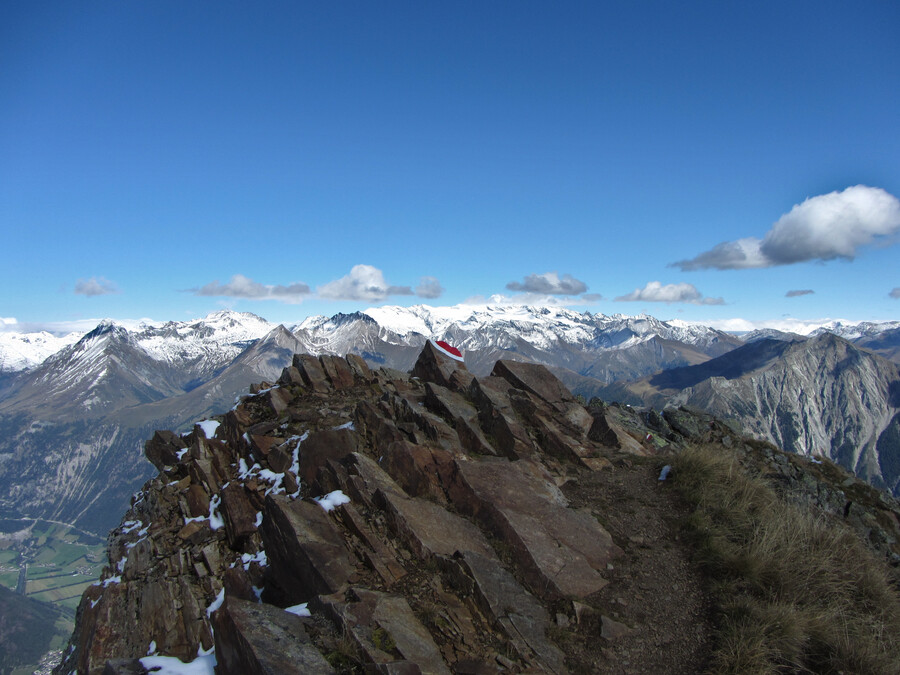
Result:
[{"x": 655, "y": 591}]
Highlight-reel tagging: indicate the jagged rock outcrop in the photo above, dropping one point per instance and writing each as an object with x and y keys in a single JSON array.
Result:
[{"x": 370, "y": 521}]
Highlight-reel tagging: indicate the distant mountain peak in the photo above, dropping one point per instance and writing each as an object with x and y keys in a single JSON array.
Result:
[
  {"x": 107, "y": 327},
  {"x": 232, "y": 315}
]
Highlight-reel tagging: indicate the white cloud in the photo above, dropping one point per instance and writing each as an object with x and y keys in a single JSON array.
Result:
[
  {"x": 895, "y": 293},
  {"x": 8, "y": 323},
  {"x": 834, "y": 225},
  {"x": 654, "y": 291},
  {"x": 244, "y": 287},
  {"x": 364, "y": 283},
  {"x": 788, "y": 324},
  {"x": 429, "y": 287},
  {"x": 95, "y": 286},
  {"x": 549, "y": 283},
  {"x": 729, "y": 255},
  {"x": 796, "y": 294},
  {"x": 527, "y": 299},
  {"x": 592, "y": 297}
]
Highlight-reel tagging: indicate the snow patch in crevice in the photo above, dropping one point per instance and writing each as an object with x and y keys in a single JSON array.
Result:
[
  {"x": 332, "y": 500},
  {"x": 204, "y": 664},
  {"x": 106, "y": 582},
  {"x": 209, "y": 428},
  {"x": 215, "y": 520},
  {"x": 216, "y": 603},
  {"x": 259, "y": 558},
  {"x": 275, "y": 478},
  {"x": 299, "y": 610}
]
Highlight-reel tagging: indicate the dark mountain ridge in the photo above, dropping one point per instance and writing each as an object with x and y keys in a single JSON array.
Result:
[{"x": 736, "y": 363}]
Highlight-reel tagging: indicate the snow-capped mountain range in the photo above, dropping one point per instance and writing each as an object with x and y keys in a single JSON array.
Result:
[
  {"x": 210, "y": 342},
  {"x": 22, "y": 351},
  {"x": 226, "y": 333},
  {"x": 76, "y": 410}
]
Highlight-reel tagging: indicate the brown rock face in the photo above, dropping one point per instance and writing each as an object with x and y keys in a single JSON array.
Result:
[
  {"x": 259, "y": 639},
  {"x": 162, "y": 450},
  {"x": 306, "y": 549},
  {"x": 419, "y": 517},
  {"x": 312, "y": 372},
  {"x": 239, "y": 513},
  {"x": 386, "y": 631},
  {"x": 561, "y": 551}
]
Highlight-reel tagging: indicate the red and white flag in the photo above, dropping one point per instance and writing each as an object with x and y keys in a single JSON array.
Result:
[{"x": 447, "y": 350}]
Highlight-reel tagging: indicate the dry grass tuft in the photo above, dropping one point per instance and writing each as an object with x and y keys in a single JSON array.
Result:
[{"x": 796, "y": 592}]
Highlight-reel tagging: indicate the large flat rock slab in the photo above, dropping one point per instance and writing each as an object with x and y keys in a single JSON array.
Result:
[
  {"x": 499, "y": 419},
  {"x": 306, "y": 550},
  {"x": 312, "y": 372},
  {"x": 559, "y": 550},
  {"x": 321, "y": 446},
  {"x": 536, "y": 379},
  {"x": 429, "y": 529},
  {"x": 513, "y": 609},
  {"x": 260, "y": 639},
  {"x": 461, "y": 414},
  {"x": 387, "y": 631}
]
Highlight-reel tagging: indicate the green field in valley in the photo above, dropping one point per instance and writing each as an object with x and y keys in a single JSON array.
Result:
[{"x": 61, "y": 562}]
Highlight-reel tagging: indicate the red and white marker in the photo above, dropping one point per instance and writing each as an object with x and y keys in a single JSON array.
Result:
[{"x": 447, "y": 350}]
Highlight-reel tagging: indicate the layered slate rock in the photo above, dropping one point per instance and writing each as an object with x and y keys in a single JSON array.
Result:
[
  {"x": 561, "y": 551},
  {"x": 533, "y": 378},
  {"x": 419, "y": 517},
  {"x": 259, "y": 639},
  {"x": 306, "y": 550},
  {"x": 521, "y": 618},
  {"x": 386, "y": 631}
]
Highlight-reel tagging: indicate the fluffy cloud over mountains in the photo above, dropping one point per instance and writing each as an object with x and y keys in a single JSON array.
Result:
[
  {"x": 244, "y": 287},
  {"x": 364, "y": 283},
  {"x": 825, "y": 227},
  {"x": 95, "y": 286},
  {"x": 549, "y": 283},
  {"x": 654, "y": 291}
]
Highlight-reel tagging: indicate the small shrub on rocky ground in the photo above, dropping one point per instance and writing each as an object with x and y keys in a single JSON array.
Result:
[{"x": 795, "y": 591}]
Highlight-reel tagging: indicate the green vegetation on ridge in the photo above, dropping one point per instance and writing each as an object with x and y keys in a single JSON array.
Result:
[{"x": 795, "y": 591}]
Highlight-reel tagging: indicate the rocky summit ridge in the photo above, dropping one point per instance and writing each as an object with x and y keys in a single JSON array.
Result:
[{"x": 346, "y": 519}]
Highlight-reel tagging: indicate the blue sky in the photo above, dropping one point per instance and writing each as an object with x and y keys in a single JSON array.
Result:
[{"x": 167, "y": 159}]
